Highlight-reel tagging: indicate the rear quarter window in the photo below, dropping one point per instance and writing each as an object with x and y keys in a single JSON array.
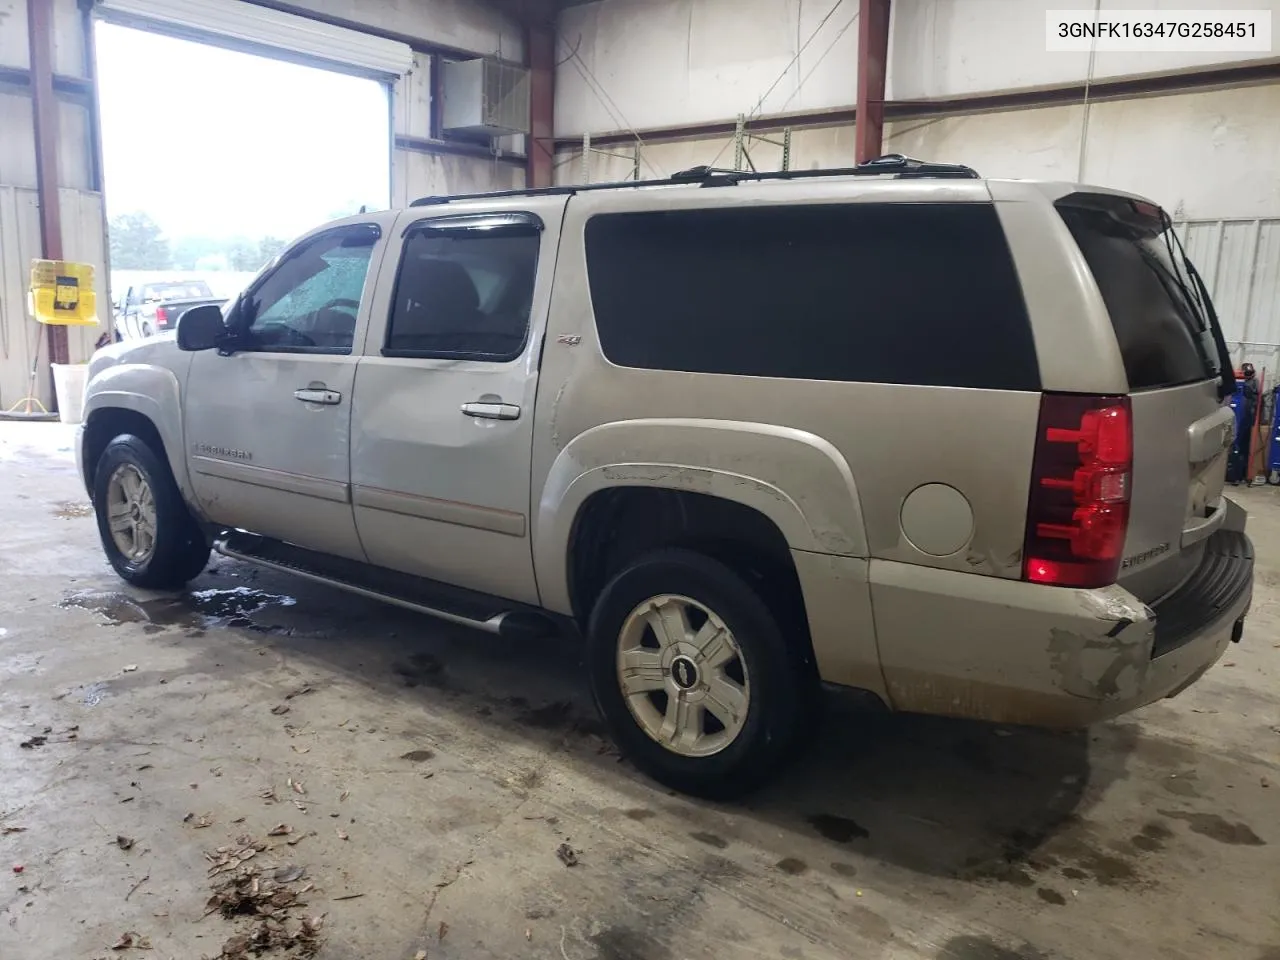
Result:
[{"x": 883, "y": 293}]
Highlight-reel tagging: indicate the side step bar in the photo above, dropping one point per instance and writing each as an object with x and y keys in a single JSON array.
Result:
[{"x": 442, "y": 601}]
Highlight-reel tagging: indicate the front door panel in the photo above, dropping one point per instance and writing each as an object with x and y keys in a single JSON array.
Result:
[
  {"x": 264, "y": 461},
  {"x": 268, "y": 427}
]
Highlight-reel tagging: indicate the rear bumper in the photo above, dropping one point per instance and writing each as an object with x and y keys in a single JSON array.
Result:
[{"x": 1012, "y": 652}]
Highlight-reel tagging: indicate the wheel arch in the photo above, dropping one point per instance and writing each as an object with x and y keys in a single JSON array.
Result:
[
  {"x": 791, "y": 482},
  {"x": 137, "y": 399}
]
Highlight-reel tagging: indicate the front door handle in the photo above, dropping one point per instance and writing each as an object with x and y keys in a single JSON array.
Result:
[
  {"x": 317, "y": 395},
  {"x": 491, "y": 411}
]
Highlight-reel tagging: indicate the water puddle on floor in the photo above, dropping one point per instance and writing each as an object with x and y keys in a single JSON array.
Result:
[
  {"x": 198, "y": 609},
  {"x": 72, "y": 510}
]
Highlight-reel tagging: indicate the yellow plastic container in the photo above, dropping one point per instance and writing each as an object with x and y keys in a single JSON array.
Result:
[{"x": 62, "y": 293}]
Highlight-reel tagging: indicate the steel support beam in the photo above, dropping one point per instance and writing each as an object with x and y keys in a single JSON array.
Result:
[
  {"x": 1190, "y": 81},
  {"x": 44, "y": 109},
  {"x": 873, "y": 62},
  {"x": 540, "y": 48}
]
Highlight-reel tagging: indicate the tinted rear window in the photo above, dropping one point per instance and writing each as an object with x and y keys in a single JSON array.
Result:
[
  {"x": 883, "y": 293},
  {"x": 1162, "y": 338}
]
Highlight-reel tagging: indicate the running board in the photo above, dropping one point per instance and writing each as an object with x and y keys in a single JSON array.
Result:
[{"x": 439, "y": 600}]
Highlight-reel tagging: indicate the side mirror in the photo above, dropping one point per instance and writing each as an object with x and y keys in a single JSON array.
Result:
[{"x": 201, "y": 328}]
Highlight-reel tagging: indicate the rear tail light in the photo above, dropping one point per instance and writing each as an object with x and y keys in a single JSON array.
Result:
[
  {"x": 1078, "y": 510},
  {"x": 162, "y": 316}
]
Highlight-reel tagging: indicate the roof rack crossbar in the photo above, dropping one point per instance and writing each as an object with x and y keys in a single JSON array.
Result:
[{"x": 893, "y": 165}]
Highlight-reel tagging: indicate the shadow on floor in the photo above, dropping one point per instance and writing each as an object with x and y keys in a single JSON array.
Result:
[{"x": 939, "y": 797}]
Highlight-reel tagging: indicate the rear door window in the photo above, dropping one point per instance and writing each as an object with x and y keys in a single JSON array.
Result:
[
  {"x": 1163, "y": 337},
  {"x": 912, "y": 293}
]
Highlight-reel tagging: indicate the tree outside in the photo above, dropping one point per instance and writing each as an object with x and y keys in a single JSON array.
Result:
[{"x": 138, "y": 243}]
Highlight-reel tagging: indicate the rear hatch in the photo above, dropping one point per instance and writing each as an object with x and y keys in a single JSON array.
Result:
[{"x": 1174, "y": 359}]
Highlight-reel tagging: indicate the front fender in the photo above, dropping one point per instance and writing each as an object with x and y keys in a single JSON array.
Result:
[
  {"x": 153, "y": 392},
  {"x": 795, "y": 478}
]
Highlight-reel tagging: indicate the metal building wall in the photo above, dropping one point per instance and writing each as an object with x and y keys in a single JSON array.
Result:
[
  {"x": 1240, "y": 263},
  {"x": 80, "y": 203}
]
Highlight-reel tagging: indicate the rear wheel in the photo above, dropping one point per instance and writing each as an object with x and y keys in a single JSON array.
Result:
[
  {"x": 694, "y": 675},
  {"x": 147, "y": 533}
]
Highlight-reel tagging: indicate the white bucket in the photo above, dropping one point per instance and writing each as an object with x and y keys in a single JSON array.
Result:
[{"x": 69, "y": 380}]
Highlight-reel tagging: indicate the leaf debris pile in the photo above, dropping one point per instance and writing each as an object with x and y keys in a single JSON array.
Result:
[{"x": 266, "y": 895}]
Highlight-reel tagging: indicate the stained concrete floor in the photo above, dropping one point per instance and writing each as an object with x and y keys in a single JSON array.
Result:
[{"x": 442, "y": 769}]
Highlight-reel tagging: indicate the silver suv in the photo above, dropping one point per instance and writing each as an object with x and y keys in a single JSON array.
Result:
[{"x": 955, "y": 443}]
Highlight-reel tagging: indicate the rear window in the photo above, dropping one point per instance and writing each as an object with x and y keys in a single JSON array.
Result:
[
  {"x": 1163, "y": 338},
  {"x": 882, "y": 293}
]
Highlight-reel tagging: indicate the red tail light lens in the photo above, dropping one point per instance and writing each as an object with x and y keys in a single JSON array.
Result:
[
  {"x": 1078, "y": 510},
  {"x": 162, "y": 317}
]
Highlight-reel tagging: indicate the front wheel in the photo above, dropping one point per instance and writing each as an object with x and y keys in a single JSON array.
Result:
[
  {"x": 694, "y": 675},
  {"x": 147, "y": 533}
]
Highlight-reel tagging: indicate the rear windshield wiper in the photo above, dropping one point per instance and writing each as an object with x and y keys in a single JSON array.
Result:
[{"x": 1226, "y": 369}]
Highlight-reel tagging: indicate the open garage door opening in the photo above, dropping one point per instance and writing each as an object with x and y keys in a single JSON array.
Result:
[{"x": 215, "y": 158}]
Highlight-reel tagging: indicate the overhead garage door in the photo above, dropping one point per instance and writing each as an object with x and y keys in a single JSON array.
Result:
[{"x": 245, "y": 26}]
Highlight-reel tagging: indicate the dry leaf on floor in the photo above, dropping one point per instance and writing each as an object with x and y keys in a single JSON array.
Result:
[
  {"x": 528, "y": 933},
  {"x": 130, "y": 939},
  {"x": 288, "y": 874},
  {"x": 305, "y": 688},
  {"x": 342, "y": 835},
  {"x": 205, "y": 820},
  {"x": 8, "y": 830},
  {"x": 123, "y": 842},
  {"x": 344, "y": 795},
  {"x": 300, "y": 805},
  {"x": 298, "y": 787},
  {"x": 280, "y": 830},
  {"x": 280, "y": 709},
  {"x": 420, "y": 955},
  {"x": 568, "y": 856},
  {"x": 131, "y": 668},
  {"x": 442, "y": 930},
  {"x": 298, "y": 749}
]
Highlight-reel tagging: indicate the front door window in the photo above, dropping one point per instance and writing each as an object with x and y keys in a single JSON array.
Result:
[{"x": 310, "y": 301}]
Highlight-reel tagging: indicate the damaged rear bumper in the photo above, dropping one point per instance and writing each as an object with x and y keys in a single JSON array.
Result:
[{"x": 1013, "y": 652}]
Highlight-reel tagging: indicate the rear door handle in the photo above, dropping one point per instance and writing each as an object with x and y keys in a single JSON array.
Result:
[
  {"x": 491, "y": 411},
  {"x": 317, "y": 395}
]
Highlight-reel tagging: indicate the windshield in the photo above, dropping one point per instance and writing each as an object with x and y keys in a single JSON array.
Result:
[{"x": 1162, "y": 326}]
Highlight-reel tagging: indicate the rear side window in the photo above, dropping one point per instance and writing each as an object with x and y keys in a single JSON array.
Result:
[
  {"x": 464, "y": 292},
  {"x": 1162, "y": 337},
  {"x": 882, "y": 293}
]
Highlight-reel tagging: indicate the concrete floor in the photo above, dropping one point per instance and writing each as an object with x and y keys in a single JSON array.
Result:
[{"x": 442, "y": 769}]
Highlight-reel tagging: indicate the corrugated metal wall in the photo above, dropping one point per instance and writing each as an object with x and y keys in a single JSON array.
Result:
[{"x": 1240, "y": 263}]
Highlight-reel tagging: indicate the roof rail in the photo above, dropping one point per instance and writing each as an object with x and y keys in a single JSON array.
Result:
[{"x": 892, "y": 165}]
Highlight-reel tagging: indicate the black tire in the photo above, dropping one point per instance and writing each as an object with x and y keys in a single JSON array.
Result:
[
  {"x": 780, "y": 682},
  {"x": 181, "y": 550}
]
